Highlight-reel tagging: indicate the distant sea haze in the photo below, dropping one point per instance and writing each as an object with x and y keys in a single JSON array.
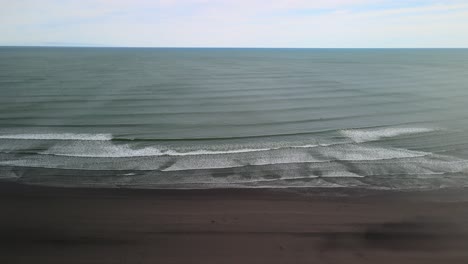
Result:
[{"x": 234, "y": 118}]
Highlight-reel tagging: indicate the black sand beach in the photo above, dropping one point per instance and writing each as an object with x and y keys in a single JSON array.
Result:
[
  {"x": 64, "y": 225},
  {"x": 283, "y": 142}
]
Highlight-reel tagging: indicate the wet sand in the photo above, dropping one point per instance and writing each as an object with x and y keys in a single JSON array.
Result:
[{"x": 62, "y": 225}]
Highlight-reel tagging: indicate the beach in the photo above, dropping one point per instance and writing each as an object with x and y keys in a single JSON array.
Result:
[
  {"x": 233, "y": 155},
  {"x": 79, "y": 225}
]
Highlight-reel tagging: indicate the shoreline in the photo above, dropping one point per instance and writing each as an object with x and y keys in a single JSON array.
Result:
[
  {"x": 87, "y": 225},
  {"x": 445, "y": 194}
]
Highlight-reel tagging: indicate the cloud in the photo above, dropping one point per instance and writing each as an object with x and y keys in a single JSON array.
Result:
[{"x": 253, "y": 23}]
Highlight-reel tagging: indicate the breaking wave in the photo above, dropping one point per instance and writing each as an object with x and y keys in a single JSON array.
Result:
[
  {"x": 109, "y": 150},
  {"x": 59, "y": 136},
  {"x": 365, "y": 135},
  {"x": 353, "y": 161}
]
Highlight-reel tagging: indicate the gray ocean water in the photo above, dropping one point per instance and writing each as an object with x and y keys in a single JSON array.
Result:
[{"x": 251, "y": 118}]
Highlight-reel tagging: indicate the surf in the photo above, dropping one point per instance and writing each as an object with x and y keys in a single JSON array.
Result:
[{"x": 59, "y": 136}]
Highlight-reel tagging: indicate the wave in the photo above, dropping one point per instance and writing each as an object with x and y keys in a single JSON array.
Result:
[
  {"x": 344, "y": 175},
  {"x": 151, "y": 158},
  {"x": 365, "y": 135},
  {"x": 352, "y": 133},
  {"x": 417, "y": 173},
  {"x": 60, "y": 136},
  {"x": 125, "y": 151},
  {"x": 117, "y": 138},
  {"x": 350, "y": 152},
  {"x": 105, "y": 150},
  {"x": 327, "y": 154}
]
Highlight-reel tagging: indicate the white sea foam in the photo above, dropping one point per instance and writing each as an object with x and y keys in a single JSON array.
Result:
[
  {"x": 278, "y": 155},
  {"x": 101, "y": 150},
  {"x": 355, "y": 152},
  {"x": 212, "y": 152},
  {"x": 222, "y": 162},
  {"x": 350, "y": 152},
  {"x": 286, "y": 165},
  {"x": 60, "y": 136},
  {"x": 389, "y": 173},
  {"x": 109, "y": 150},
  {"x": 122, "y": 151},
  {"x": 365, "y": 135}
]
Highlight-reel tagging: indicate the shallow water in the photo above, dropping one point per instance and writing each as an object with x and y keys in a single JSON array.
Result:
[{"x": 204, "y": 118}]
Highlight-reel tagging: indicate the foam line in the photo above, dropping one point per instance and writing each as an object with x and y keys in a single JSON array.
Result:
[
  {"x": 61, "y": 136},
  {"x": 361, "y": 135},
  {"x": 106, "y": 150}
]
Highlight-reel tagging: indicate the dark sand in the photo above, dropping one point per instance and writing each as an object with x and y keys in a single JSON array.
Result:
[{"x": 60, "y": 225}]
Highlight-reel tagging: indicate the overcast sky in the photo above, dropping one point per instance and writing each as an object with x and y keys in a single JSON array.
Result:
[{"x": 235, "y": 23}]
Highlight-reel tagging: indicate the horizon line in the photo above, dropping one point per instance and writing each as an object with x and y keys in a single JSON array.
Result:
[{"x": 212, "y": 47}]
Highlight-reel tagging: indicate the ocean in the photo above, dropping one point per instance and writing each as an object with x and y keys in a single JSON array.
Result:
[{"x": 234, "y": 118}]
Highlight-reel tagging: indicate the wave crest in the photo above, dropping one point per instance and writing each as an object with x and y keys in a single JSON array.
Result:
[
  {"x": 59, "y": 136},
  {"x": 365, "y": 135}
]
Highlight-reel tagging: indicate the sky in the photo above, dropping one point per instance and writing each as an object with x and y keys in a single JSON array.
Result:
[{"x": 235, "y": 23}]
